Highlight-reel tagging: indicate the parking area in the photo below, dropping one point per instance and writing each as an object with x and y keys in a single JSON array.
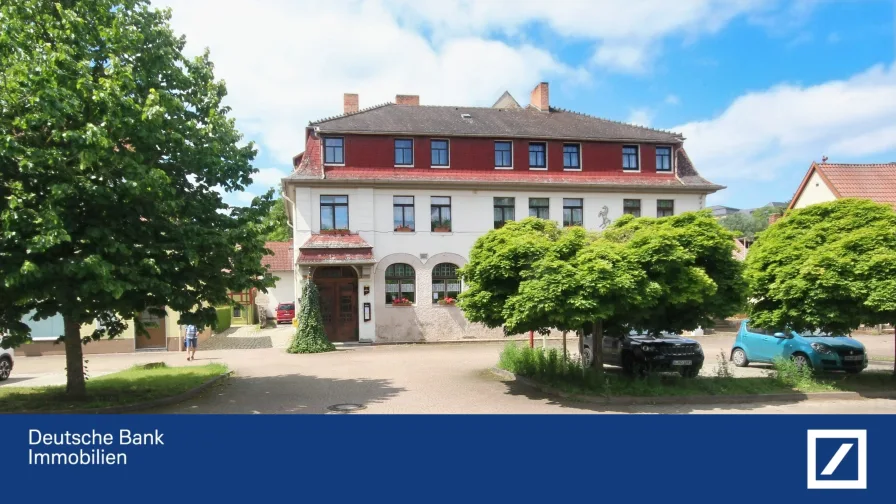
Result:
[{"x": 441, "y": 378}]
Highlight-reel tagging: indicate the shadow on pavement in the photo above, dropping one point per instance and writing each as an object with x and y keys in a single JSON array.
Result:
[
  {"x": 16, "y": 379},
  {"x": 285, "y": 394},
  {"x": 520, "y": 389}
]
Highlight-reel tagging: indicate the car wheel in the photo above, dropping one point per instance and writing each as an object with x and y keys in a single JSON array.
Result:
[
  {"x": 801, "y": 359},
  {"x": 739, "y": 357},
  {"x": 690, "y": 371},
  {"x": 587, "y": 356},
  {"x": 5, "y": 368}
]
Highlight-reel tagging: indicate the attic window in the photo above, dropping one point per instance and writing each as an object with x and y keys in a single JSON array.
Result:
[{"x": 466, "y": 116}]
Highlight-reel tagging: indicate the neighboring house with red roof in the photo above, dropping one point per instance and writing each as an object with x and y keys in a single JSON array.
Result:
[
  {"x": 386, "y": 202},
  {"x": 280, "y": 264},
  {"x": 832, "y": 181}
]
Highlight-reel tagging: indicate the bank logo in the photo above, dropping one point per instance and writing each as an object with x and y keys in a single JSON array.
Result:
[{"x": 837, "y": 459}]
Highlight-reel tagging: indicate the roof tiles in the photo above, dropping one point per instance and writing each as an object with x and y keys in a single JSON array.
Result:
[
  {"x": 281, "y": 257},
  {"x": 876, "y": 182}
]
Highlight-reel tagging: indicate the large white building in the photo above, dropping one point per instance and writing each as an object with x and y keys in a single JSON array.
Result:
[{"x": 386, "y": 202}]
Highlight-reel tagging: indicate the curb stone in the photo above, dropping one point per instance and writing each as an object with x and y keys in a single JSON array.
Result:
[
  {"x": 695, "y": 399},
  {"x": 155, "y": 403}
]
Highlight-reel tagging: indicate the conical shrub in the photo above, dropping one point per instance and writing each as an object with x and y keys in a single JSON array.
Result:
[{"x": 310, "y": 336}]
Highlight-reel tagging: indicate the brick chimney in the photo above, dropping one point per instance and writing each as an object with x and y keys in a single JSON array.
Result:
[
  {"x": 349, "y": 103},
  {"x": 773, "y": 218},
  {"x": 406, "y": 99},
  {"x": 539, "y": 98}
]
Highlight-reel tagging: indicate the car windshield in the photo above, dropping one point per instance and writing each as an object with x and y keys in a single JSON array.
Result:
[
  {"x": 816, "y": 334},
  {"x": 285, "y": 307}
]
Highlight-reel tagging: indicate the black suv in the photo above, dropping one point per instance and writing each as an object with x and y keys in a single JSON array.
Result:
[{"x": 640, "y": 353}]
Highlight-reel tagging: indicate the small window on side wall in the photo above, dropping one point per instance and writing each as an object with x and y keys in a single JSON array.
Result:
[
  {"x": 504, "y": 211},
  {"x": 400, "y": 284},
  {"x": 538, "y": 155},
  {"x": 631, "y": 207},
  {"x": 572, "y": 212}
]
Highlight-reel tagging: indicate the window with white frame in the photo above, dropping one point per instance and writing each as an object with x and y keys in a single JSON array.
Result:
[{"x": 445, "y": 282}]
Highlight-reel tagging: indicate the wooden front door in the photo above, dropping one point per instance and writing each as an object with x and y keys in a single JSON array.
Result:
[
  {"x": 155, "y": 326},
  {"x": 338, "y": 302}
]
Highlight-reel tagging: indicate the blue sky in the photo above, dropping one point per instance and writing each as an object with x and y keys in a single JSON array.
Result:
[{"x": 760, "y": 88}]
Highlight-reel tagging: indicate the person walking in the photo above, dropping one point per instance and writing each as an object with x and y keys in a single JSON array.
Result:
[{"x": 191, "y": 341}]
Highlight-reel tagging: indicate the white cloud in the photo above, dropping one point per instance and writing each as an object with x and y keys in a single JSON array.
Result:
[
  {"x": 672, "y": 100},
  {"x": 641, "y": 116},
  {"x": 788, "y": 126},
  {"x": 287, "y": 62},
  {"x": 269, "y": 177},
  {"x": 244, "y": 197}
]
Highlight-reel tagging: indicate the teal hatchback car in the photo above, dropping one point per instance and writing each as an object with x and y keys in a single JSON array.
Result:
[{"x": 821, "y": 352}]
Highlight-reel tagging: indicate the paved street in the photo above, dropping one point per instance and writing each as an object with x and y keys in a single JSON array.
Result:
[{"x": 394, "y": 379}]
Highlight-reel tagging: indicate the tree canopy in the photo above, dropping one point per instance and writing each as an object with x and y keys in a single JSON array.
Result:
[
  {"x": 114, "y": 147},
  {"x": 668, "y": 274},
  {"x": 276, "y": 221},
  {"x": 828, "y": 267}
]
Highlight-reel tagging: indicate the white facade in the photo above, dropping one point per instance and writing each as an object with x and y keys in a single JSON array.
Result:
[
  {"x": 371, "y": 216},
  {"x": 283, "y": 291},
  {"x": 815, "y": 191}
]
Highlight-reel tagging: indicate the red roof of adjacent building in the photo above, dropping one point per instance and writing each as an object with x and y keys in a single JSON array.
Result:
[
  {"x": 281, "y": 257},
  {"x": 335, "y": 248},
  {"x": 875, "y": 182}
]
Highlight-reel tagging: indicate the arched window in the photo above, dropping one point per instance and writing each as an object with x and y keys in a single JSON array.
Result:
[
  {"x": 400, "y": 282},
  {"x": 445, "y": 282}
]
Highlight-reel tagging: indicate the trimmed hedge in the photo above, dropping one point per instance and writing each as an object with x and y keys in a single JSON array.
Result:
[{"x": 223, "y": 319}]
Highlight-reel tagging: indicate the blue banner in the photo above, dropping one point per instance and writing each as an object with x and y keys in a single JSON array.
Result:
[{"x": 695, "y": 458}]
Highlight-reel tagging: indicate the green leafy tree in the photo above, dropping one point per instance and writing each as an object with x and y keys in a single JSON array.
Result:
[
  {"x": 688, "y": 259},
  {"x": 276, "y": 221},
  {"x": 498, "y": 263},
  {"x": 111, "y": 145},
  {"x": 310, "y": 336},
  {"x": 828, "y": 267},
  {"x": 743, "y": 225}
]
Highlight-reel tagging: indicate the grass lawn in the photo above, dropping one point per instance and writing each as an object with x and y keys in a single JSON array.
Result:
[
  {"x": 549, "y": 368},
  {"x": 134, "y": 385}
]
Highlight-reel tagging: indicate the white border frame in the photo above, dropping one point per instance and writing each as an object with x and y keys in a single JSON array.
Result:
[{"x": 861, "y": 436}]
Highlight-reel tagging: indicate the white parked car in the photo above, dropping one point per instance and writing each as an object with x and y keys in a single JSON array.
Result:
[{"x": 7, "y": 358}]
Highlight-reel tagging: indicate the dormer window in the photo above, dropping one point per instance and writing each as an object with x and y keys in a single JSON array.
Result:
[
  {"x": 663, "y": 159},
  {"x": 334, "y": 150},
  {"x": 630, "y": 158},
  {"x": 503, "y": 154},
  {"x": 538, "y": 155},
  {"x": 404, "y": 152}
]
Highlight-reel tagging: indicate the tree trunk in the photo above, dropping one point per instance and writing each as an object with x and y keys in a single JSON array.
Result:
[
  {"x": 564, "y": 348},
  {"x": 75, "y": 387},
  {"x": 597, "y": 343}
]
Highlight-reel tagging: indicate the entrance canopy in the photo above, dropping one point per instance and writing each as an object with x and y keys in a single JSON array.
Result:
[{"x": 335, "y": 249}]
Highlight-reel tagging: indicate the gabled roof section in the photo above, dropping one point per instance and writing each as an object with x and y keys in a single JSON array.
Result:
[
  {"x": 506, "y": 101},
  {"x": 391, "y": 119},
  {"x": 875, "y": 182},
  {"x": 281, "y": 257}
]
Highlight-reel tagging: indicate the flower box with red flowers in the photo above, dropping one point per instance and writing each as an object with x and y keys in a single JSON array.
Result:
[
  {"x": 449, "y": 301},
  {"x": 401, "y": 302}
]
